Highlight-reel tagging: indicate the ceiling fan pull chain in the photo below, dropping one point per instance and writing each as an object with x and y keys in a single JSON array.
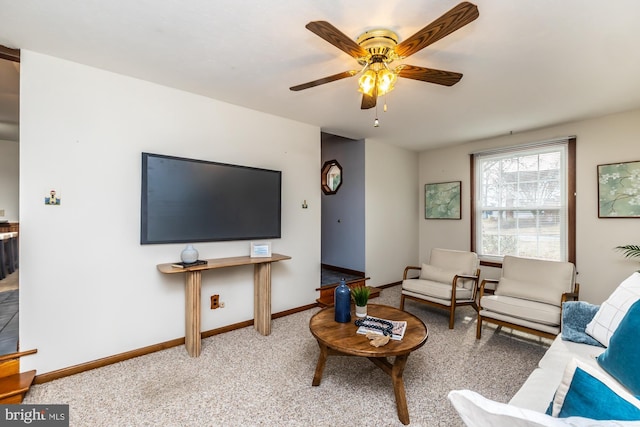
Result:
[{"x": 376, "y": 122}]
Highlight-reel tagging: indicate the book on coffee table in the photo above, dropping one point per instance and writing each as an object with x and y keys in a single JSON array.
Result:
[{"x": 397, "y": 333}]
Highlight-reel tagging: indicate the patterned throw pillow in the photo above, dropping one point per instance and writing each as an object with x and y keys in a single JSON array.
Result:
[
  {"x": 588, "y": 392},
  {"x": 612, "y": 311},
  {"x": 622, "y": 358}
]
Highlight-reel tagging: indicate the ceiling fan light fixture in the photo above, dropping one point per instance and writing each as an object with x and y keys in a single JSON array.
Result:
[
  {"x": 377, "y": 49},
  {"x": 386, "y": 81},
  {"x": 377, "y": 77},
  {"x": 367, "y": 82}
]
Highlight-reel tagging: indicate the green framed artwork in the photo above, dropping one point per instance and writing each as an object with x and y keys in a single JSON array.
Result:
[
  {"x": 442, "y": 200},
  {"x": 619, "y": 190}
]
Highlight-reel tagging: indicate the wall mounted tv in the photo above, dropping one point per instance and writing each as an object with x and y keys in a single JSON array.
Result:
[{"x": 188, "y": 200}]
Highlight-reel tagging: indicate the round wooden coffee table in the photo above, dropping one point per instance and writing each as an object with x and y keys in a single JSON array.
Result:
[{"x": 341, "y": 339}]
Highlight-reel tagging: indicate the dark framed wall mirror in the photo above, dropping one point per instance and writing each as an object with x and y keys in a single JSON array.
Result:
[{"x": 331, "y": 177}]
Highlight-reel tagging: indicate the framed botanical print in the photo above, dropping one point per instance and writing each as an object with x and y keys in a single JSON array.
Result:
[
  {"x": 442, "y": 200},
  {"x": 619, "y": 190}
]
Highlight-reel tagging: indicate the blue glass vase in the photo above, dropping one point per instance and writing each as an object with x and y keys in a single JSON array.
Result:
[{"x": 342, "y": 303}]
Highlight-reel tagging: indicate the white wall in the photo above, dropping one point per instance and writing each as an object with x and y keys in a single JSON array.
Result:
[
  {"x": 608, "y": 139},
  {"x": 88, "y": 289},
  {"x": 444, "y": 165},
  {"x": 9, "y": 179},
  {"x": 391, "y": 211}
]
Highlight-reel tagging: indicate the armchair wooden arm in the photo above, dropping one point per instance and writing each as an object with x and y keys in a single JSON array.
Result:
[
  {"x": 481, "y": 291},
  {"x": 485, "y": 281},
  {"x": 408, "y": 268},
  {"x": 571, "y": 296},
  {"x": 474, "y": 291}
]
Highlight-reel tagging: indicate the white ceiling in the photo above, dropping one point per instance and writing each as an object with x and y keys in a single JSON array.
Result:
[{"x": 526, "y": 63}]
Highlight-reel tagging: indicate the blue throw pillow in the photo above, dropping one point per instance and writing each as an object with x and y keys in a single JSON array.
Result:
[
  {"x": 575, "y": 317},
  {"x": 622, "y": 358},
  {"x": 585, "y": 391}
]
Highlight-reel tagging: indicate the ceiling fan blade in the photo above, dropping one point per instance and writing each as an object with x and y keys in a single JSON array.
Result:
[
  {"x": 324, "y": 80},
  {"x": 451, "y": 21},
  {"x": 430, "y": 75},
  {"x": 337, "y": 38},
  {"x": 369, "y": 101}
]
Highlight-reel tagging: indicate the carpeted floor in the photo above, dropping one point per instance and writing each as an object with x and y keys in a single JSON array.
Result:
[{"x": 245, "y": 379}]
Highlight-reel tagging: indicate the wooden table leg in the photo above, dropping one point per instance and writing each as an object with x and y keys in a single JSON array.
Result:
[
  {"x": 398, "y": 388},
  {"x": 262, "y": 298},
  {"x": 322, "y": 360},
  {"x": 192, "y": 337},
  {"x": 395, "y": 372}
]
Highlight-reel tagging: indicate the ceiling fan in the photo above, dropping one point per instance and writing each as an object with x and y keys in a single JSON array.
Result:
[{"x": 376, "y": 49}]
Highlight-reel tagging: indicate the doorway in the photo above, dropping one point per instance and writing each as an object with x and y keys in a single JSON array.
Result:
[
  {"x": 343, "y": 211},
  {"x": 9, "y": 195}
]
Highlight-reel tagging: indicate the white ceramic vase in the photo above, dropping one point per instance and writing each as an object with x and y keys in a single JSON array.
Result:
[
  {"x": 189, "y": 254},
  {"x": 361, "y": 311}
]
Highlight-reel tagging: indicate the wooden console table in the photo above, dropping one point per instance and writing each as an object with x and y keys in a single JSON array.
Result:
[{"x": 193, "y": 286}]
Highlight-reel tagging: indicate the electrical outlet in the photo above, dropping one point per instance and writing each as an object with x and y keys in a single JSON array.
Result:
[
  {"x": 215, "y": 302},
  {"x": 221, "y": 304}
]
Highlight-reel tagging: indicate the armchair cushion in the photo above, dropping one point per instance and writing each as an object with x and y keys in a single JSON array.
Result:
[
  {"x": 451, "y": 262},
  {"x": 460, "y": 261},
  {"x": 537, "y": 312},
  {"x": 434, "y": 289},
  {"x": 536, "y": 280},
  {"x": 436, "y": 274}
]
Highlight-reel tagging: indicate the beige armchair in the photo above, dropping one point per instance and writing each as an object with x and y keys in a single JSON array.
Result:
[
  {"x": 528, "y": 296},
  {"x": 448, "y": 281}
]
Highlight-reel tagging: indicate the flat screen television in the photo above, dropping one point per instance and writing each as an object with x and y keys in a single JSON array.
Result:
[{"x": 188, "y": 200}]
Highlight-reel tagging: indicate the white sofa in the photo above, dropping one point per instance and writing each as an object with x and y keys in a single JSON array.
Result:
[
  {"x": 556, "y": 372},
  {"x": 538, "y": 390}
]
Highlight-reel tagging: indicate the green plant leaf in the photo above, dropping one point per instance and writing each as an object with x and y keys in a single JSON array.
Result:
[
  {"x": 360, "y": 295},
  {"x": 630, "y": 251}
]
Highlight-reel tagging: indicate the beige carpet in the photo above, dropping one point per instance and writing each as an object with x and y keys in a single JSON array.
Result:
[{"x": 245, "y": 379}]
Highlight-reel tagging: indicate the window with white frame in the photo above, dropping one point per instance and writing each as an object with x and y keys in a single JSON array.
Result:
[{"x": 523, "y": 203}]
